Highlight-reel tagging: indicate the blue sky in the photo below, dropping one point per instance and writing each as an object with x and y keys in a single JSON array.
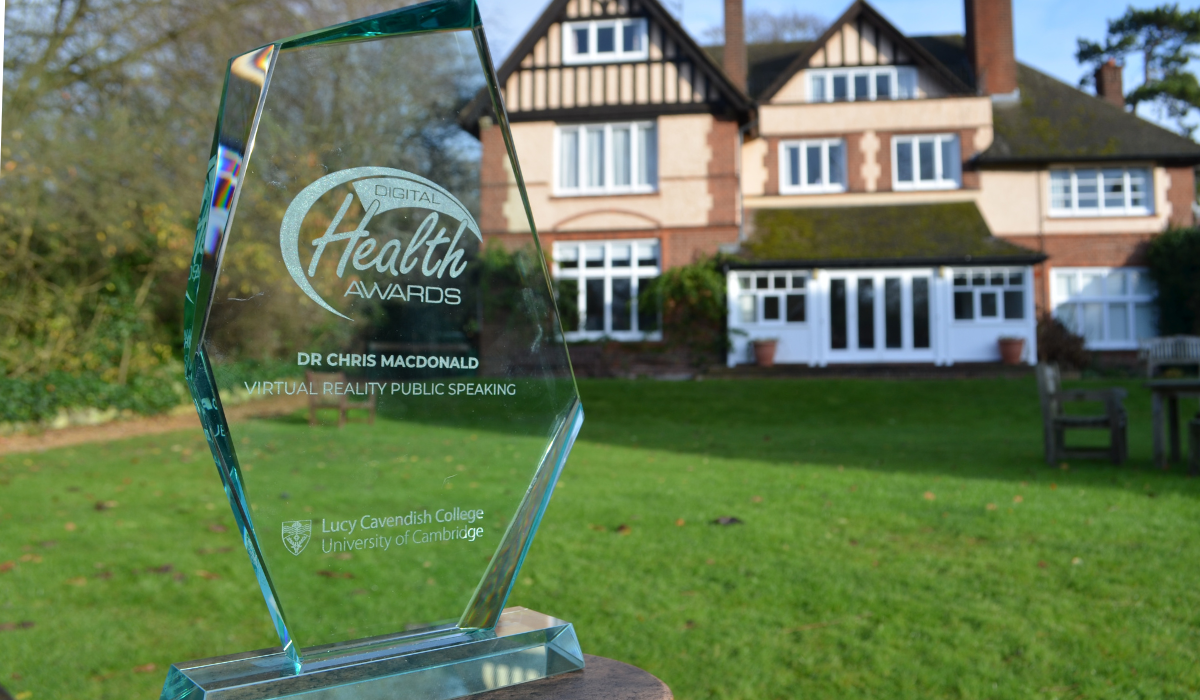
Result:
[{"x": 1046, "y": 30}]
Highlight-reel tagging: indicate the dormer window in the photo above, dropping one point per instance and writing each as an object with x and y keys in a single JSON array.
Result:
[
  {"x": 862, "y": 84},
  {"x": 604, "y": 41}
]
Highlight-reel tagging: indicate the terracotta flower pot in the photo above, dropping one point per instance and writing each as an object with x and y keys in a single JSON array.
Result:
[
  {"x": 1011, "y": 350},
  {"x": 764, "y": 352}
]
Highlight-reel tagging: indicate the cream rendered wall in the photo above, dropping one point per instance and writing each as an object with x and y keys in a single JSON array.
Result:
[
  {"x": 754, "y": 167},
  {"x": 1017, "y": 203},
  {"x": 898, "y": 116},
  {"x": 682, "y": 199}
]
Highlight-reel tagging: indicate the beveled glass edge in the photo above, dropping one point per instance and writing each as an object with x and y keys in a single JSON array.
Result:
[{"x": 432, "y": 16}]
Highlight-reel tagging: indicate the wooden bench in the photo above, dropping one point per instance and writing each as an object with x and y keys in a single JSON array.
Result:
[
  {"x": 339, "y": 402},
  {"x": 1056, "y": 422},
  {"x": 1169, "y": 350}
]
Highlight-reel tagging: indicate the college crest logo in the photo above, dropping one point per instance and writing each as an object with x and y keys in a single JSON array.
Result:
[
  {"x": 296, "y": 534},
  {"x": 435, "y": 250}
]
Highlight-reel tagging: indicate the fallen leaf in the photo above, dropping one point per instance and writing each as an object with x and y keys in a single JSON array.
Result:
[
  {"x": 597, "y": 528},
  {"x": 727, "y": 520},
  {"x": 680, "y": 522},
  {"x": 6, "y": 566},
  {"x": 145, "y": 668},
  {"x": 1053, "y": 486},
  {"x": 164, "y": 569},
  {"x": 710, "y": 562},
  {"x": 689, "y": 624},
  {"x": 77, "y": 581},
  {"x": 624, "y": 529},
  {"x": 853, "y": 543},
  {"x": 1018, "y": 499},
  {"x": 929, "y": 496},
  {"x": 69, "y": 527},
  {"x": 104, "y": 575},
  {"x": 106, "y": 505},
  {"x": 23, "y": 695},
  {"x": 207, "y": 575},
  {"x": 35, "y": 558},
  {"x": 9, "y": 626},
  {"x": 1076, "y": 561},
  {"x": 991, "y": 506},
  {"x": 217, "y": 527},
  {"x": 1041, "y": 564},
  {"x": 756, "y": 499}
]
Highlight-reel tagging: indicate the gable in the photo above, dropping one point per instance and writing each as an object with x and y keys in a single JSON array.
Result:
[
  {"x": 542, "y": 79},
  {"x": 862, "y": 37}
]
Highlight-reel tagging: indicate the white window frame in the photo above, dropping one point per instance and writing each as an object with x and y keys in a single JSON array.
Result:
[
  {"x": 940, "y": 181},
  {"x": 779, "y": 284},
  {"x": 619, "y": 55},
  {"x": 608, "y": 188},
  {"x": 635, "y": 271},
  {"x": 1102, "y": 209},
  {"x": 893, "y": 72},
  {"x": 825, "y": 186},
  {"x": 1130, "y": 299},
  {"x": 987, "y": 287}
]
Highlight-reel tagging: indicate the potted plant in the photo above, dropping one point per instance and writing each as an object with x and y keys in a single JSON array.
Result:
[
  {"x": 764, "y": 351},
  {"x": 1012, "y": 349}
]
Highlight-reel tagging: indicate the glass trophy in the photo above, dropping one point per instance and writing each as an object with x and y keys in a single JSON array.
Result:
[{"x": 428, "y": 403}]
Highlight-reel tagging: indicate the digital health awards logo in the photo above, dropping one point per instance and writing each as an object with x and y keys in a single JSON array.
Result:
[{"x": 430, "y": 258}]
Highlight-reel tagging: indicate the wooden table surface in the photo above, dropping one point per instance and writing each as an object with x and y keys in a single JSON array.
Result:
[{"x": 600, "y": 679}]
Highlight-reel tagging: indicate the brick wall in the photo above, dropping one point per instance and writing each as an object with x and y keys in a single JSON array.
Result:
[
  {"x": 493, "y": 181},
  {"x": 989, "y": 44},
  {"x": 884, "y": 157},
  {"x": 771, "y": 161},
  {"x": 1181, "y": 195},
  {"x": 679, "y": 246},
  {"x": 855, "y": 182},
  {"x": 1086, "y": 250},
  {"x": 722, "y": 173}
]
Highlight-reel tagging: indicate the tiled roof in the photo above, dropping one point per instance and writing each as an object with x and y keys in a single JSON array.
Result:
[
  {"x": 931, "y": 234},
  {"x": 765, "y": 62}
]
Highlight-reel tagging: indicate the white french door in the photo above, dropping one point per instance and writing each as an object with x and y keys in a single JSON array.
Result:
[{"x": 880, "y": 316}]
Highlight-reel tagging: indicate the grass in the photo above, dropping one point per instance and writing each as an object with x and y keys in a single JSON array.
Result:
[{"x": 899, "y": 540}]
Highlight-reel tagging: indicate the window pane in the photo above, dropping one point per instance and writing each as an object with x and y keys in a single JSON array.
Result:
[
  {"x": 1060, "y": 189},
  {"x": 818, "y": 89},
  {"x": 866, "y": 313},
  {"x": 1140, "y": 282},
  {"x": 1138, "y": 186},
  {"x": 779, "y": 281},
  {"x": 1118, "y": 321},
  {"x": 595, "y": 157},
  {"x": 839, "y": 88},
  {"x": 793, "y": 174},
  {"x": 621, "y": 254},
  {"x": 1093, "y": 321},
  {"x": 567, "y": 256},
  {"x": 647, "y": 254},
  {"x": 837, "y": 314},
  {"x": 997, "y": 279},
  {"x": 621, "y": 157},
  {"x": 746, "y": 308},
  {"x": 891, "y": 312},
  {"x": 1016, "y": 278},
  {"x": 647, "y": 156},
  {"x": 925, "y": 159},
  {"x": 883, "y": 86},
  {"x": 1114, "y": 284},
  {"x": 622, "y": 304},
  {"x": 1064, "y": 285},
  {"x": 606, "y": 39},
  {"x": 964, "y": 306},
  {"x": 593, "y": 256},
  {"x": 593, "y": 305},
  {"x": 568, "y": 304},
  {"x": 771, "y": 308},
  {"x": 743, "y": 281},
  {"x": 795, "y": 308},
  {"x": 920, "y": 312},
  {"x": 1088, "y": 189},
  {"x": 1014, "y": 304},
  {"x": 837, "y": 174},
  {"x": 978, "y": 279},
  {"x": 1093, "y": 284},
  {"x": 761, "y": 282},
  {"x": 1066, "y": 314},
  {"x": 988, "y": 305},
  {"x": 862, "y": 86},
  {"x": 568, "y": 144},
  {"x": 1114, "y": 189},
  {"x": 908, "y": 84},
  {"x": 951, "y": 161},
  {"x": 632, "y": 38},
  {"x": 812, "y": 164},
  {"x": 799, "y": 281},
  {"x": 904, "y": 161},
  {"x": 1145, "y": 320},
  {"x": 581, "y": 40},
  {"x": 960, "y": 279}
]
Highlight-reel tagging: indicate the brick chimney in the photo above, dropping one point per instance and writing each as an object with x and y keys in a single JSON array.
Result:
[
  {"x": 990, "y": 46},
  {"x": 735, "y": 43},
  {"x": 1108, "y": 84}
]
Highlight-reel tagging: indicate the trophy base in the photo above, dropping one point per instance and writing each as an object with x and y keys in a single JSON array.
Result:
[{"x": 525, "y": 646}]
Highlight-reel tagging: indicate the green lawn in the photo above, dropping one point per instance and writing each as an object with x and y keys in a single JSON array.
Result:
[{"x": 900, "y": 540}]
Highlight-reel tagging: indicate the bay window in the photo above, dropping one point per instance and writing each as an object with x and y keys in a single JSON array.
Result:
[{"x": 1112, "y": 308}]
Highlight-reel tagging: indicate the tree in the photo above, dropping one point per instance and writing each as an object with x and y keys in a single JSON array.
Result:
[
  {"x": 764, "y": 27},
  {"x": 1165, "y": 37}
]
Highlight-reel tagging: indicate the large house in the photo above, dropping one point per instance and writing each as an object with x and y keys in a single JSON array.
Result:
[{"x": 892, "y": 198}]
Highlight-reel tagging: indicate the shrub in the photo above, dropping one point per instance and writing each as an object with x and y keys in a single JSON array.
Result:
[
  {"x": 33, "y": 399},
  {"x": 692, "y": 299},
  {"x": 1057, "y": 344},
  {"x": 1174, "y": 259}
]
